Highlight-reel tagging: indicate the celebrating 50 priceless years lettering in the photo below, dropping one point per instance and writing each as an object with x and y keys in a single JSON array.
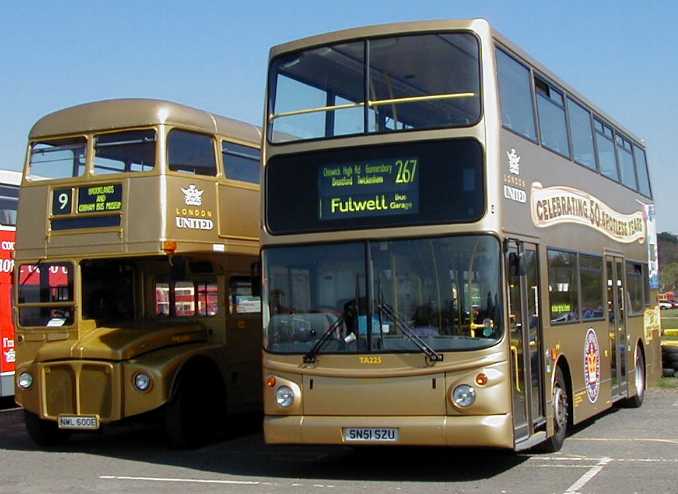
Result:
[{"x": 555, "y": 205}]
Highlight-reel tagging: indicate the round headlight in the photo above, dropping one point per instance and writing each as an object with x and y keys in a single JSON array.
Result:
[
  {"x": 464, "y": 395},
  {"x": 25, "y": 380},
  {"x": 142, "y": 381},
  {"x": 284, "y": 396}
]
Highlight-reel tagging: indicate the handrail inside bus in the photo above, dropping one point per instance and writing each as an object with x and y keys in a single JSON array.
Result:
[{"x": 373, "y": 104}]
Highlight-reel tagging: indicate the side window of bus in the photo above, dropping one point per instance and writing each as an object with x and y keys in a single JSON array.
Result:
[
  {"x": 516, "y": 96},
  {"x": 186, "y": 298},
  {"x": 189, "y": 152},
  {"x": 582, "y": 135},
  {"x": 606, "y": 158},
  {"x": 132, "y": 151},
  {"x": 626, "y": 167},
  {"x": 591, "y": 275},
  {"x": 61, "y": 158},
  {"x": 242, "y": 300},
  {"x": 634, "y": 287},
  {"x": 240, "y": 162},
  {"x": 641, "y": 168},
  {"x": 551, "y": 107},
  {"x": 9, "y": 199},
  {"x": 563, "y": 286}
]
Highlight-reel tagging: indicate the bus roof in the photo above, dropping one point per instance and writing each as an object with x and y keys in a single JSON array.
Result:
[
  {"x": 10, "y": 177},
  {"x": 137, "y": 112},
  {"x": 440, "y": 25}
]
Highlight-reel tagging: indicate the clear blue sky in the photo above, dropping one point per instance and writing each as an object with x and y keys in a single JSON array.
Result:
[{"x": 213, "y": 55}]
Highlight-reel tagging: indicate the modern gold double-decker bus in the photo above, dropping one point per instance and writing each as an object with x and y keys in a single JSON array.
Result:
[
  {"x": 137, "y": 233},
  {"x": 457, "y": 247}
]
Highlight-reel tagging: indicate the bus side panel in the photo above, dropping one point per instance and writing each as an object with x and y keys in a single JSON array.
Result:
[{"x": 7, "y": 355}]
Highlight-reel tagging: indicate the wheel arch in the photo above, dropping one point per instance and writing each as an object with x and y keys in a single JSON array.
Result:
[{"x": 195, "y": 363}]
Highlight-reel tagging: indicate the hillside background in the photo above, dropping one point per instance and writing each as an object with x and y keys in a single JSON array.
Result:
[{"x": 667, "y": 247}]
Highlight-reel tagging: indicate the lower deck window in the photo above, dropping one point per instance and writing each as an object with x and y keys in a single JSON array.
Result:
[
  {"x": 563, "y": 286},
  {"x": 186, "y": 298},
  {"x": 46, "y": 294}
]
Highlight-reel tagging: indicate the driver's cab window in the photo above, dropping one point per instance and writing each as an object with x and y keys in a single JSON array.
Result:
[{"x": 242, "y": 299}]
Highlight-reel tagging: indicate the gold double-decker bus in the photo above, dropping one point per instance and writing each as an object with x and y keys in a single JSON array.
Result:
[
  {"x": 457, "y": 247},
  {"x": 137, "y": 236}
]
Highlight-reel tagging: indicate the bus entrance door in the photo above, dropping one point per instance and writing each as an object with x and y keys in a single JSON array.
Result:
[
  {"x": 525, "y": 337},
  {"x": 616, "y": 295}
]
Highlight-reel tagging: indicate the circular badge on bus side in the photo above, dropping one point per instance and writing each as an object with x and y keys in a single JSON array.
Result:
[{"x": 592, "y": 365}]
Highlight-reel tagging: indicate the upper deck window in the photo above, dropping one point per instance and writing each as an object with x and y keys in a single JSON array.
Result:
[
  {"x": 192, "y": 153},
  {"x": 240, "y": 162},
  {"x": 132, "y": 151},
  {"x": 582, "y": 134},
  {"x": 60, "y": 158},
  {"x": 641, "y": 167},
  {"x": 551, "y": 107},
  {"x": 628, "y": 173},
  {"x": 9, "y": 198},
  {"x": 606, "y": 158},
  {"x": 516, "y": 96},
  {"x": 415, "y": 82}
]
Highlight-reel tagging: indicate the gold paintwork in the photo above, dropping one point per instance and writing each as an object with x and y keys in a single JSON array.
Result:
[
  {"x": 88, "y": 368},
  {"x": 398, "y": 392}
]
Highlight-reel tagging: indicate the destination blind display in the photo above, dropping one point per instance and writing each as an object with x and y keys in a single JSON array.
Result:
[
  {"x": 369, "y": 188},
  {"x": 100, "y": 198}
]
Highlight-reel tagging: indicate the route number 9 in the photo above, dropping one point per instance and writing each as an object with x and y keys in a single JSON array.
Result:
[
  {"x": 61, "y": 201},
  {"x": 64, "y": 200}
]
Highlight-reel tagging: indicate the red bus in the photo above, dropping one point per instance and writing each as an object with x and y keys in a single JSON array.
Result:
[{"x": 9, "y": 198}]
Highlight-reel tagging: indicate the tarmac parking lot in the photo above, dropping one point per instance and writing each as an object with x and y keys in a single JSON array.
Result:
[{"x": 622, "y": 451}]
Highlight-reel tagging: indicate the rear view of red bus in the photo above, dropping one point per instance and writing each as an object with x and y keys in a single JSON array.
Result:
[{"x": 9, "y": 197}]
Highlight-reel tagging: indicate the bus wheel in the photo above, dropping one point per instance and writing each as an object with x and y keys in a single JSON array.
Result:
[
  {"x": 637, "y": 400},
  {"x": 44, "y": 432},
  {"x": 196, "y": 412},
  {"x": 561, "y": 414}
]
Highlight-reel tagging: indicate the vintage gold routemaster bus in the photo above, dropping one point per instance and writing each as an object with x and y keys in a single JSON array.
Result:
[
  {"x": 137, "y": 234},
  {"x": 458, "y": 248}
]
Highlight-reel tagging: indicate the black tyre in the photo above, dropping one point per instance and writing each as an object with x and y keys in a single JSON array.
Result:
[
  {"x": 44, "y": 433},
  {"x": 196, "y": 413},
  {"x": 668, "y": 372},
  {"x": 640, "y": 381},
  {"x": 561, "y": 414}
]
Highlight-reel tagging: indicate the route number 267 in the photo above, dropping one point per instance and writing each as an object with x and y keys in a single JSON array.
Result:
[{"x": 406, "y": 171}]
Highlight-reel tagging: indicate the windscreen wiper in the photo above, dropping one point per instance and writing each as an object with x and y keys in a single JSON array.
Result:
[
  {"x": 310, "y": 356},
  {"x": 405, "y": 329}
]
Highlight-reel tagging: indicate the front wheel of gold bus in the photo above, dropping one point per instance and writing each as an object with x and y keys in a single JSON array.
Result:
[
  {"x": 44, "y": 432},
  {"x": 561, "y": 413}
]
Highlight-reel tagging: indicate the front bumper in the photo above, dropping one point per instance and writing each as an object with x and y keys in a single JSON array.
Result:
[{"x": 467, "y": 431}]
